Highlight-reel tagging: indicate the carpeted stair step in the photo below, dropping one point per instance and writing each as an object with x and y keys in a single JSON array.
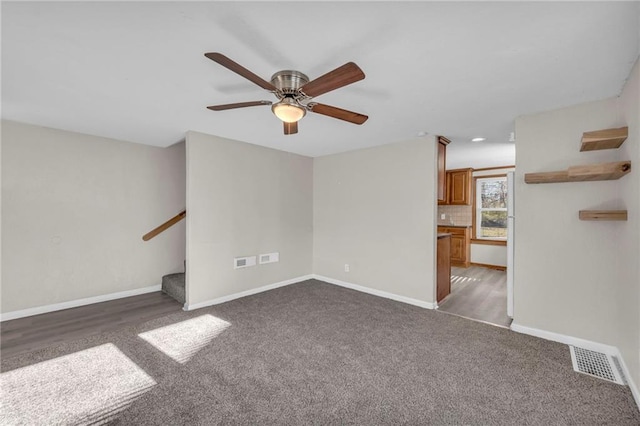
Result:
[{"x": 173, "y": 285}]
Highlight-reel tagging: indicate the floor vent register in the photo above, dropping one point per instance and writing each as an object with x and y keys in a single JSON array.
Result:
[{"x": 596, "y": 364}]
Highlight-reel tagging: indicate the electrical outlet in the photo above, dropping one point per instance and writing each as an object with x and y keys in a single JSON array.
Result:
[
  {"x": 443, "y": 216},
  {"x": 346, "y": 267}
]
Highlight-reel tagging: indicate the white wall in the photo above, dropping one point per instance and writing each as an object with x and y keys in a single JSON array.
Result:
[
  {"x": 485, "y": 254},
  {"x": 374, "y": 209},
  {"x": 243, "y": 200},
  {"x": 0, "y": 223},
  {"x": 74, "y": 209},
  {"x": 628, "y": 233},
  {"x": 568, "y": 273}
]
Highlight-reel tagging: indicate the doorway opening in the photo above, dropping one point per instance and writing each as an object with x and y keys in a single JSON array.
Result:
[
  {"x": 476, "y": 215},
  {"x": 478, "y": 293}
]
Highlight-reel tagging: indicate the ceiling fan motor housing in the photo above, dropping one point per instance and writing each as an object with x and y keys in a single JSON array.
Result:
[{"x": 289, "y": 82}]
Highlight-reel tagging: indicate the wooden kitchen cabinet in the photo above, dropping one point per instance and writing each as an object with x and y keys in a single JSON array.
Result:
[
  {"x": 460, "y": 245},
  {"x": 443, "y": 285},
  {"x": 442, "y": 174},
  {"x": 455, "y": 188},
  {"x": 459, "y": 187},
  {"x": 458, "y": 249}
]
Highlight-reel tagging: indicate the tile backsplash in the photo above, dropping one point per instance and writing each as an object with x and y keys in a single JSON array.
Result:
[{"x": 455, "y": 215}]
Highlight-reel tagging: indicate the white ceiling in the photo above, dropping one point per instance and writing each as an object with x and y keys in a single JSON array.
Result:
[{"x": 136, "y": 71}]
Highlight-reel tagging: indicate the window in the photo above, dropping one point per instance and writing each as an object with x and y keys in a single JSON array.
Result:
[{"x": 491, "y": 208}]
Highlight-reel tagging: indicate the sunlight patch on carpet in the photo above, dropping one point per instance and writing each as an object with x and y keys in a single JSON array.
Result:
[
  {"x": 90, "y": 386},
  {"x": 183, "y": 340}
]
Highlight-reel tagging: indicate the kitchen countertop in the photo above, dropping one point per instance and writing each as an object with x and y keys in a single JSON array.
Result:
[{"x": 454, "y": 226}]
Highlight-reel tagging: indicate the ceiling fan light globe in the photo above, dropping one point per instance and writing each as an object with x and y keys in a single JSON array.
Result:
[{"x": 288, "y": 111}]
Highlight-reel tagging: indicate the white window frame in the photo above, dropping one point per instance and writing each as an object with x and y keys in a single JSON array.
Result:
[{"x": 479, "y": 208}]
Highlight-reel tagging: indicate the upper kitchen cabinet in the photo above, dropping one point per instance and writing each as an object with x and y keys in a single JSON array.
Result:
[
  {"x": 442, "y": 164},
  {"x": 458, "y": 187}
]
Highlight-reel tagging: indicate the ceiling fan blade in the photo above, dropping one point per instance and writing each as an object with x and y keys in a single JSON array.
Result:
[
  {"x": 339, "y": 113},
  {"x": 340, "y": 77},
  {"x": 239, "y": 69},
  {"x": 237, "y": 105},
  {"x": 290, "y": 128}
]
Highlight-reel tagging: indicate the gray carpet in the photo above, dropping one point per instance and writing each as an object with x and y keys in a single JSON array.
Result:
[
  {"x": 174, "y": 286},
  {"x": 309, "y": 353}
]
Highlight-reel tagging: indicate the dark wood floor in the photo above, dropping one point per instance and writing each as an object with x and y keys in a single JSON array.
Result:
[
  {"x": 478, "y": 293},
  {"x": 26, "y": 334}
]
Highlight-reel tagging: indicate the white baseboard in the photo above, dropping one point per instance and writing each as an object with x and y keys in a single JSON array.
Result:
[
  {"x": 380, "y": 293},
  {"x": 75, "y": 303},
  {"x": 568, "y": 340},
  {"x": 586, "y": 344},
  {"x": 630, "y": 382},
  {"x": 191, "y": 307}
]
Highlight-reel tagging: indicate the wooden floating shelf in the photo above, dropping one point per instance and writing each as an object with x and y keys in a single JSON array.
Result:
[
  {"x": 602, "y": 215},
  {"x": 592, "y": 172},
  {"x": 547, "y": 177},
  {"x": 603, "y": 171},
  {"x": 604, "y": 139}
]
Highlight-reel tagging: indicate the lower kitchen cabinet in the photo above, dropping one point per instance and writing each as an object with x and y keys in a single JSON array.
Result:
[
  {"x": 460, "y": 245},
  {"x": 444, "y": 267}
]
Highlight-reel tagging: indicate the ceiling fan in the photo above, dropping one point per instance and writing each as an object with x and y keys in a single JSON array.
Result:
[{"x": 295, "y": 92}]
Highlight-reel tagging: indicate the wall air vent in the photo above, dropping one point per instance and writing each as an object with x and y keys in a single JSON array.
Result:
[
  {"x": 596, "y": 364},
  {"x": 269, "y": 258},
  {"x": 244, "y": 262}
]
